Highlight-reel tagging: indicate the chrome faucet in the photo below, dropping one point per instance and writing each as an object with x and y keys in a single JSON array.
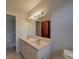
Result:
[{"x": 38, "y": 41}]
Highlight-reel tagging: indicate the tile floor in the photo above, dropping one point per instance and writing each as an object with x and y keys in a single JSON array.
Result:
[{"x": 11, "y": 54}]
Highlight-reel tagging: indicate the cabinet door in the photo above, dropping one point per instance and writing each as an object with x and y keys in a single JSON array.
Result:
[
  {"x": 26, "y": 54},
  {"x": 23, "y": 49},
  {"x": 32, "y": 53},
  {"x": 27, "y": 51}
]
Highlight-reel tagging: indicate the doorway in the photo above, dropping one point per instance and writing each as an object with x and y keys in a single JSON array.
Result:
[
  {"x": 45, "y": 29},
  {"x": 10, "y": 33}
]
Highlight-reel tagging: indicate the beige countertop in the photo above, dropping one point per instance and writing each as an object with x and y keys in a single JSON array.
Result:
[{"x": 37, "y": 42}]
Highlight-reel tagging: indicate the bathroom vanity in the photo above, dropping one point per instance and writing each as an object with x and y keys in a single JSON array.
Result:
[{"x": 35, "y": 48}]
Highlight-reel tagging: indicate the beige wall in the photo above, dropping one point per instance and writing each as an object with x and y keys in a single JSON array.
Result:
[
  {"x": 31, "y": 28},
  {"x": 62, "y": 27}
]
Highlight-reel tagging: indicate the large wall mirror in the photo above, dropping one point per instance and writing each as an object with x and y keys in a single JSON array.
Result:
[{"x": 43, "y": 29}]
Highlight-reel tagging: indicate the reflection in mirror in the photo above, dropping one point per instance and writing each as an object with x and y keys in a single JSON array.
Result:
[{"x": 43, "y": 29}]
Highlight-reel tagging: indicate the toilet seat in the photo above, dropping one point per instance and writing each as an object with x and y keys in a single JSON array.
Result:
[{"x": 68, "y": 54}]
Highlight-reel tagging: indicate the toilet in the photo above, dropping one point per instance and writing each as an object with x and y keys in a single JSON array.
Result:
[
  {"x": 63, "y": 54},
  {"x": 68, "y": 54}
]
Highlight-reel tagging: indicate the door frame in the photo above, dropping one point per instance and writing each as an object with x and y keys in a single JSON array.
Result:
[{"x": 15, "y": 26}]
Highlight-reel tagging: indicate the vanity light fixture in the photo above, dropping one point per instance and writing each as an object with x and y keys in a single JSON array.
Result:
[{"x": 37, "y": 15}]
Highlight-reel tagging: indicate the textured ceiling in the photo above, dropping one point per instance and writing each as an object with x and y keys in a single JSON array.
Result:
[{"x": 24, "y": 5}]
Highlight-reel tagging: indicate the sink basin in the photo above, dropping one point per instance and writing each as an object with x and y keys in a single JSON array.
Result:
[
  {"x": 37, "y": 43},
  {"x": 32, "y": 39},
  {"x": 40, "y": 42}
]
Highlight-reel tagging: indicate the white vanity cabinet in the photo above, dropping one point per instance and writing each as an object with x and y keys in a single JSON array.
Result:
[
  {"x": 27, "y": 51},
  {"x": 30, "y": 52}
]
